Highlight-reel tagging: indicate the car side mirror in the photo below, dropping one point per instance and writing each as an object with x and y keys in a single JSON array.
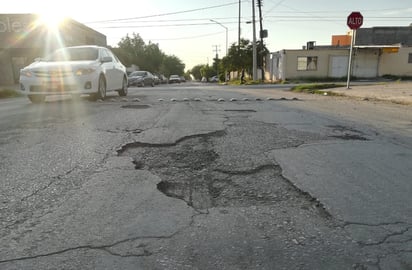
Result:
[{"x": 107, "y": 59}]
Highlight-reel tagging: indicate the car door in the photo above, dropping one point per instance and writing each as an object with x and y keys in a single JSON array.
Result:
[
  {"x": 118, "y": 72},
  {"x": 147, "y": 78},
  {"x": 108, "y": 67}
]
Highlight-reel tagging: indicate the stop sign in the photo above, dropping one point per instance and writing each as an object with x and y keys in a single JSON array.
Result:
[{"x": 355, "y": 20}]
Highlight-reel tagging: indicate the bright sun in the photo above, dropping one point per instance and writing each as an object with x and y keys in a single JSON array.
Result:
[{"x": 51, "y": 19}]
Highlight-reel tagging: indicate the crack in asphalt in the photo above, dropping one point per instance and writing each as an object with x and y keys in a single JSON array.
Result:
[
  {"x": 386, "y": 238},
  {"x": 348, "y": 223},
  {"x": 107, "y": 248},
  {"x": 53, "y": 181},
  {"x": 104, "y": 248},
  {"x": 127, "y": 146}
]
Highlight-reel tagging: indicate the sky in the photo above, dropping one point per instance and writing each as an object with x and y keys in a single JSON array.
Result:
[{"x": 195, "y": 30}]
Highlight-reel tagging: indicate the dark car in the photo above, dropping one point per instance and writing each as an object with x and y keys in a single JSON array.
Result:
[
  {"x": 141, "y": 78},
  {"x": 163, "y": 78}
]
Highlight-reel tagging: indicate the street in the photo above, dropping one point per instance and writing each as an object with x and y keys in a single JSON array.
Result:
[{"x": 206, "y": 176}]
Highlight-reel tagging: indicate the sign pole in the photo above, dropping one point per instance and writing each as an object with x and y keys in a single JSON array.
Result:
[
  {"x": 350, "y": 59},
  {"x": 354, "y": 21}
]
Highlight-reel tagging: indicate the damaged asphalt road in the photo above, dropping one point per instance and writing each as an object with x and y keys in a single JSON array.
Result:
[{"x": 204, "y": 185}]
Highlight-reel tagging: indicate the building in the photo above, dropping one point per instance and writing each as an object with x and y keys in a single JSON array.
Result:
[
  {"x": 378, "y": 51},
  {"x": 23, "y": 37}
]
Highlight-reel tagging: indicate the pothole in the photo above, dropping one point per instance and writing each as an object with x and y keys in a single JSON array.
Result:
[
  {"x": 246, "y": 111},
  {"x": 135, "y": 106},
  {"x": 225, "y": 169},
  {"x": 347, "y": 133}
]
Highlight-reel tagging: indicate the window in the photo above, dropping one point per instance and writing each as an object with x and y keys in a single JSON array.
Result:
[
  {"x": 410, "y": 58},
  {"x": 308, "y": 63}
]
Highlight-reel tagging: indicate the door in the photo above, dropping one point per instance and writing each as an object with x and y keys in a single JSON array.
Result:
[
  {"x": 109, "y": 70},
  {"x": 365, "y": 63},
  {"x": 338, "y": 66}
]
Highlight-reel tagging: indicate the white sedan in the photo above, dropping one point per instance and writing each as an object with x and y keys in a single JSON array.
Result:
[{"x": 90, "y": 70}]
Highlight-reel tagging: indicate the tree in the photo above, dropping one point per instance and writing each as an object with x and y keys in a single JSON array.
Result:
[
  {"x": 207, "y": 71},
  {"x": 131, "y": 50},
  {"x": 153, "y": 57},
  {"x": 134, "y": 51},
  {"x": 172, "y": 65},
  {"x": 239, "y": 57},
  {"x": 196, "y": 72}
]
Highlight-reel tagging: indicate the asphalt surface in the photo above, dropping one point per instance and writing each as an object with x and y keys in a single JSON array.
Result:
[{"x": 206, "y": 178}]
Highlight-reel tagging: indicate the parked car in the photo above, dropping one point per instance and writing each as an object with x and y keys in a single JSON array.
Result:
[
  {"x": 174, "y": 79},
  {"x": 182, "y": 79},
  {"x": 156, "y": 79},
  {"x": 163, "y": 78},
  {"x": 141, "y": 78},
  {"x": 90, "y": 70},
  {"x": 214, "y": 79}
]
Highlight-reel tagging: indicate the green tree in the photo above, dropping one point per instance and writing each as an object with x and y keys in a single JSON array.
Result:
[
  {"x": 195, "y": 71},
  {"x": 131, "y": 50},
  {"x": 153, "y": 57},
  {"x": 239, "y": 57},
  {"x": 207, "y": 71},
  {"x": 172, "y": 65},
  {"x": 134, "y": 51}
]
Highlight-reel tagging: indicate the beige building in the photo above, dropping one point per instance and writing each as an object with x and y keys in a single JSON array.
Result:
[
  {"x": 369, "y": 60},
  {"x": 23, "y": 38}
]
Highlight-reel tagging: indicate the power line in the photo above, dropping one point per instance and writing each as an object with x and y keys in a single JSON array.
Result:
[
  {"x": 160, "y": 25},
  {"x": 164, "y": 14}
]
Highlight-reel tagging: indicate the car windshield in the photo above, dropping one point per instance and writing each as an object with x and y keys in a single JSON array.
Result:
[
  {"x": 74, "y": 54},
  {"x": 137, "y": 73}
]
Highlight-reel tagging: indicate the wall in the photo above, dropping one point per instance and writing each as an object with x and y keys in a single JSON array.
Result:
[
  {"x": 396, "y": 63},
  {"x": 291, "y": 62},
  {"x": 384, "y": 36},
  {"x": 341, "y": 40},
  {"x": 367, "y": 63}
]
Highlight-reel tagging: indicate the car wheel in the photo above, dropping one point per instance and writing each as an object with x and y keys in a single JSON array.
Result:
[
  {"x": 37, "y": 98},
  {"x": 101, "y": 90},
  {"x": 123, "y": 92}
]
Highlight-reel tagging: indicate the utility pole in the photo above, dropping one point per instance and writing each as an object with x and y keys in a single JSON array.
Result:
[
  {"x": 254, "y": 68},
  {"x": 216, "y": 50},
  {"x": 259, "y": 3},
  {"x": 238, "y": 35}
]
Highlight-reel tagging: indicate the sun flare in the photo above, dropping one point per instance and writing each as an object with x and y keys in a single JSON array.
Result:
[{"x": 51, "y": 19}]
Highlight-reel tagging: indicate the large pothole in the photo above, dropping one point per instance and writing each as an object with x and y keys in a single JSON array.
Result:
[{"x": 223, "y": 169}]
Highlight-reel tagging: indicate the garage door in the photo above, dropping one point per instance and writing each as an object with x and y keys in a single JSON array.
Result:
[{"x": 338, "y": 66}]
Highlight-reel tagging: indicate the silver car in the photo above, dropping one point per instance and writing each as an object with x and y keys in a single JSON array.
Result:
[{"x": 90, "y": 70}]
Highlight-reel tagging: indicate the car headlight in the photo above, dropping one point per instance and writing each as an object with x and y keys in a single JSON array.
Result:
[
  {"x": 84, "y": 71},
  {"x": 26, "y": 73}
]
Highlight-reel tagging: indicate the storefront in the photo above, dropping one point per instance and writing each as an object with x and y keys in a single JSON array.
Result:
[{"x": 23, "y": 37}]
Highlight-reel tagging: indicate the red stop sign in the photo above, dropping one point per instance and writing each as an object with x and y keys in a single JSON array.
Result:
[{"x": 355, "y": 20}]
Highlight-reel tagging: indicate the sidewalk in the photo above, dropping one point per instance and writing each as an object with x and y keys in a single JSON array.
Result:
[{"x": 396, "y": 92}]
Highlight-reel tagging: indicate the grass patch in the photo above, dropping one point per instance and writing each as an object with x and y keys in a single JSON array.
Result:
[
  {"x": 317, "y": 88},
  {"x": 8, "y": 93}
]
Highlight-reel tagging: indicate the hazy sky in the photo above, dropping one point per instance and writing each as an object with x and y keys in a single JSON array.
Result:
[{"x": 184, "y": 28}]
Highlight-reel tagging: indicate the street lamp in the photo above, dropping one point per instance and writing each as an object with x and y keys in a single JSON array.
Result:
[{"x": 225, "y": 29}]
